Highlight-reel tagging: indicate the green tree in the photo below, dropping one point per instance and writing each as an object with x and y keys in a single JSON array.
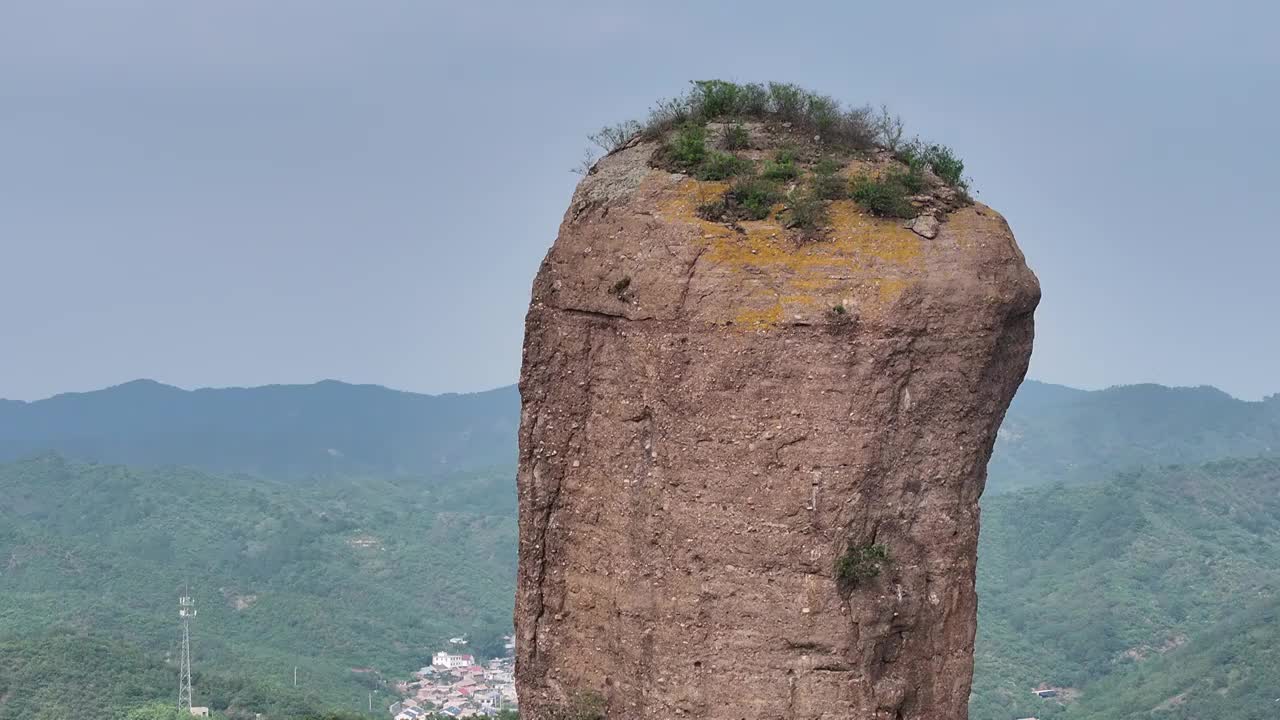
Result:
[{"x": 157, "y": 710}]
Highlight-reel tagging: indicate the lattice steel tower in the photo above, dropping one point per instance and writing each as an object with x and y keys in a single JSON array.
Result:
[{"x": 186, "y": 611}]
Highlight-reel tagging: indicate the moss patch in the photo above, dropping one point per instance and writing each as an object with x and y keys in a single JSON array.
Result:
[{"x": 859, "y": 564}]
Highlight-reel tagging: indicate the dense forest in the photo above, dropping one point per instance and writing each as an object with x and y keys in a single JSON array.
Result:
[
  {"x": 1105, "y": 589},
  {"x": 352, "y": 582},
  {"x": 1136, "y": 587}
]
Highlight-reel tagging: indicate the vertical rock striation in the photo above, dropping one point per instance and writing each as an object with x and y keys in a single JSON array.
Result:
[{"x": 713, "y": 415}]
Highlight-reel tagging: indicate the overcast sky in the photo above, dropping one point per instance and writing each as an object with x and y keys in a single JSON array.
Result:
[{"x": 243, "y": 192}]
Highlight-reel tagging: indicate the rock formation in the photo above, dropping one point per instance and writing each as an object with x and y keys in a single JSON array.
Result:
[{"x": 750, "y": 463}]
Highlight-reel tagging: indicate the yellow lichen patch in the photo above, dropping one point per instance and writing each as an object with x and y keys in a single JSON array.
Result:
[
  {"x": 864, "y": 260},
  {"x": 798, "y": 300},
  {"x": 855, "y": 241},
  {"x": 890, "y": 289},
  {"x": 683, "y": 204},
  {"x": 855, "y": 168},
  {"x": 810, "y": 284},
  {"x": 764, "y": 319},
  {"x": 763, "y": 245},
  {"x": 883, "y": 239}
]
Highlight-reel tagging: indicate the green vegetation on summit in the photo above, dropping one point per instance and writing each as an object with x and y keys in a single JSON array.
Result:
[{"x": 713, "y": 133}]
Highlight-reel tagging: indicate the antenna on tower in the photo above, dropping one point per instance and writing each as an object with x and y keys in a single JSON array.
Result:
[{"x": 186, "y": 611}]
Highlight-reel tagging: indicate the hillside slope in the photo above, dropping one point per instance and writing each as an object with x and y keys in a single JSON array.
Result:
[
  {"x": 371, "y": 575},
  {"x": 1059, "y": 434},
  {"x": 1070, "y": 577},
  {"x": 1231, "y": 670},
  {"x": 327, "y": 429},
  {"x": 1078, "y": 584},
  {"x": 56, "y": 674}
]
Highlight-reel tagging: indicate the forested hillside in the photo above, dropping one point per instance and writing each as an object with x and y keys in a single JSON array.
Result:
[
  {"x": 370, "y": 574},
  {"x": 60, "y": 673},
  {"x": 1154, "y": 589},
  {"x": 1059, "y": 434},
  {"x": 1230, "y": 670},
  {"x": 1105, "y": 589},
  {"x": 1132, "y": 589},
  {"x": 283, "y": 432}
]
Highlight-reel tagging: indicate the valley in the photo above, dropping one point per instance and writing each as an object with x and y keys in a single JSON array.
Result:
[{"x": 1142, "y": 591}]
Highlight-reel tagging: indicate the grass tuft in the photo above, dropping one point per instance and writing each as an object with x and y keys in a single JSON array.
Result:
[
  {"x": 736, "y": 137},
  {"x": 939, "y": 159},
  {"x": 782, "y": 167},
  {"x": 860, "y": 563},
  {"x": 807, "y": 213},
  {"x": 619, "y": 289},
  {"x": 756, "y": 196},
  {"x": 827, "y": 183},
  {"x": 885, "y": 196},
  {"x": 689, "y": 146},
  {"x": 722, "y": 166}
]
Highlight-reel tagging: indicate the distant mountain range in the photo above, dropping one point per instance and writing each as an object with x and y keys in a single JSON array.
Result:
[
  {"x": 327, "y": 429},
  {"x": 337, "y": 526},
  {"x": 1051, "y": 434},
  {"x": 1054, "y": 433}
]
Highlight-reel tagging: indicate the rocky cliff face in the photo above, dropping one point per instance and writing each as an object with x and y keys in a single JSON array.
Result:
[{"x": 750, "y": 464}]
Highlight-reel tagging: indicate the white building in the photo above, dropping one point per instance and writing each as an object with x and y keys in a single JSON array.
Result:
[
  {"x": 445, "y": 660},
  {"x": 487, "y": 699},
  {"x": 409, "y": 713}
]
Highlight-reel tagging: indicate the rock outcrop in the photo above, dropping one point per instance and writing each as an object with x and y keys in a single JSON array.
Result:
[{"x": 715, "y": 415}]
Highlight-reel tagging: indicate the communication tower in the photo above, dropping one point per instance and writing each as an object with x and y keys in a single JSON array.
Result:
[{"x": 186, "y": 611}]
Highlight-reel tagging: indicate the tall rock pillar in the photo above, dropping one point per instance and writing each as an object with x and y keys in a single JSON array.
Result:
[{"x": 749, "y": 462}]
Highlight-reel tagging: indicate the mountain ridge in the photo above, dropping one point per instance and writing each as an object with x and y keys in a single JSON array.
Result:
[
  {"x": 1052, "y": 433},
  {"x": 324, "y": 429},
  {"x": 1030, "y": 384},
  {"x": 157, "y": 384}
]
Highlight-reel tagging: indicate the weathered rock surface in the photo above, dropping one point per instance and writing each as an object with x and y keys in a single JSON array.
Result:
[
  {"x": 702, "y": 437},
  {"x": 925, "y": 226}
]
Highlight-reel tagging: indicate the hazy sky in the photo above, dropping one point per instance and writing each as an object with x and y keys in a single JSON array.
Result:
[{"x": 243, "y": 192}]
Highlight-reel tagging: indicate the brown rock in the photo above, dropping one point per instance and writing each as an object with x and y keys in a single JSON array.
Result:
[
  {"x": 694, "y": 461},
  {"x": 926, "y": 226}
]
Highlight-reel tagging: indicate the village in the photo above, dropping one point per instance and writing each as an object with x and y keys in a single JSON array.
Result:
[{"x": 455, "y": 685}]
